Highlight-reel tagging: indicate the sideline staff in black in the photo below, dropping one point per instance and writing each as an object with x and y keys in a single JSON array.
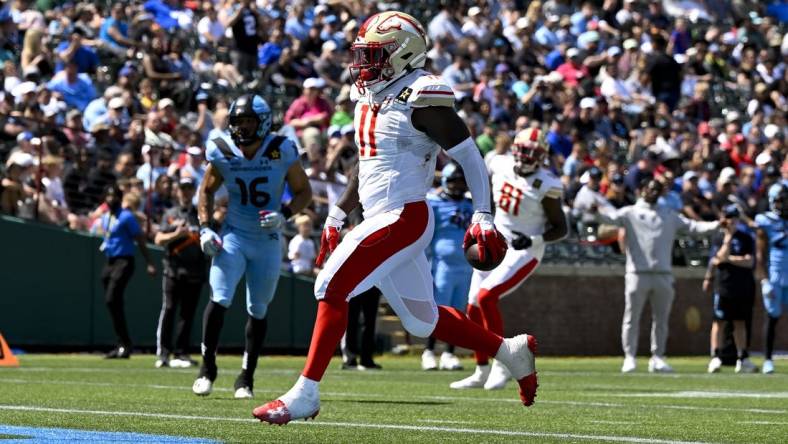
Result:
[{"x": 185, "y": 272}]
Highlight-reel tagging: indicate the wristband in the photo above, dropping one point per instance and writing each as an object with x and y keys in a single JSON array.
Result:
[
  {"x": 337, "y": 213},
  {"x": 286, "y": 211}
]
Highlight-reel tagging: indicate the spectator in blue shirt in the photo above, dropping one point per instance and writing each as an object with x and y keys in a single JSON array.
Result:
[
  {"x": 114, "y": 31},
  {"x": 72, "y": 50},
  {"x": 77, "y": 89},
  {"x": 121, "y": 231},
  {"x": 545, "y": 35}
]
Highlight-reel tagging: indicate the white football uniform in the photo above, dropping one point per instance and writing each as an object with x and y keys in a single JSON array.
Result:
[
  {"x": 396, "y": 169},
  {"x": 518, "y": 207}
]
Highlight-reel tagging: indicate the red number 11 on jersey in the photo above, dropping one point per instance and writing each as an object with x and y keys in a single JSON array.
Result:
[
  {"x": 366, "y": 131},
  {"x": 510, "y": 199}
]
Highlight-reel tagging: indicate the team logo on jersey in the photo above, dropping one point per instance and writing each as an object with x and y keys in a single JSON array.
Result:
[
  {"x": 275, "y": 154},
  {"x": 404, "y": 95},
  {"x": 537, "y": 183}
]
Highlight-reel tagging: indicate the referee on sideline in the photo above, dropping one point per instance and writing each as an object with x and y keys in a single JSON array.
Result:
[
  {"x": 650, "y": 230},
  {"x": 185, "y": 272}
]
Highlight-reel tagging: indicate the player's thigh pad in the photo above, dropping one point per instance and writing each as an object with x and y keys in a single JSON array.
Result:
[
  {"x": 516, "y": 267},
  {"x": 373, "y": 249},
  {"x": 227, "y": 268},
  {"x": 264, "y": 258},
  {"x": 408, "y": 290}
]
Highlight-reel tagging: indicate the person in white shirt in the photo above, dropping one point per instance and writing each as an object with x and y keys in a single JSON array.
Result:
[
  {"x": 301, "y": 250},
  {"x": 210, "y": 28}
]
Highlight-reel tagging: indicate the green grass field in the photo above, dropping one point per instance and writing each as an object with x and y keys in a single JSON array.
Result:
[{"x": 580, "y": 400}]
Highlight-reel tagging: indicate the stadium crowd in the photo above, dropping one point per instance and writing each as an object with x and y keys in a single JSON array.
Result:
[{"x": 102, "y": 93}]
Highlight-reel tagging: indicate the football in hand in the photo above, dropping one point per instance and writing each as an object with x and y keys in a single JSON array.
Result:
[{"x": 472, "y": 256}]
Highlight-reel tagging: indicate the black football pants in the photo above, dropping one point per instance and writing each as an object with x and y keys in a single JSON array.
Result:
[
  {"x": 183, "y": 293},
  {"x": 115, "y": 276}
]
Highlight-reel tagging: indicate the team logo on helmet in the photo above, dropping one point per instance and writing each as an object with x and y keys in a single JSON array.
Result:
[
  {"x": 528, "y": 150},
  {"x": 387, "y": 46}
]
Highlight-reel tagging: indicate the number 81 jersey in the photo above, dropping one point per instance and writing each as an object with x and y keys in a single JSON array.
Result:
[
  {"x": 252, "y": 184},
  {"x": 518, "y": 199}
]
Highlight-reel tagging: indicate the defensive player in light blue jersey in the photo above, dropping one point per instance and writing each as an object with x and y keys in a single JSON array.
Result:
[
  {"x": 450, "y": 271},
  {"x": 772, "y": 251},
  {"x": 254, "y": 165}
]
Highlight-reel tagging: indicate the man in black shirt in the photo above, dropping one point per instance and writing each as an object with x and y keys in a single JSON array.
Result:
[
  {"x": 734, "y": 288},
  {"x": 185, "y": 272},
  {"x": 246, "y": 25},
  {"x": 665, "y": 74}
]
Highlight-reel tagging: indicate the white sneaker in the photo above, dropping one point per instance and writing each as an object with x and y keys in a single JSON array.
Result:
[
  {"x": 477, "y": 379},
  {"x": 449, "y": 362},
  {"x": 244, "y": 393},
  {"x": 181, "y": 363},
  {"x": 518, "y": 355},
  {"x": 202, "y": 386},
  {"x": 658, "y": 365},
  {"x": 161, "y": 362},
  {"x": 629, "y": 365},
  {"x": 300, "y": 402},
  {"x": 428, "y": 361},
  {"x": 745, "y": 366},
  {"x": 499, "y": 376},
  {"x": 715, "y": 365},
  {"x": 768, "y": 367}
]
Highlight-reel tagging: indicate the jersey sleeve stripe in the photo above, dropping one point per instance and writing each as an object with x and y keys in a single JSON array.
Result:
[
  {"x": 362, "y": 123},
  {"x": 373, "y": 149}
]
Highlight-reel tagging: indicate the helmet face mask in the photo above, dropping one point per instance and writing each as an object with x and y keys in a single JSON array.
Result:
[
  {"x": 528, "y": 151},
  {"x": 249, "y": 120},
  {"x": 243, "y": 129},
  {"x": 779, "y": 202}
]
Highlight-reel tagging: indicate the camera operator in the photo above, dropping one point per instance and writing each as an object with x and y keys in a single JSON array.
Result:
[{"x": 185, "y": 272}]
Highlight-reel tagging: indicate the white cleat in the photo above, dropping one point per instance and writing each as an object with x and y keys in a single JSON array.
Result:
[
  {"x": 629, "y": 365},
  {"x": 428, "y": 361},
  {"x": 499, "y": 376},
  {"x": 202, "y": 386},
  {"x": 745, "y": 366},
  {"x": 768, "y": 367},
  {"x": 449, "y": 362},
  {"x": 162, "y": 362},
  {"x": 300, "y": 402},
  {"x": 476, "y": 380},
  {"x": 518, "y": 355},
  {"x": 715, "y": 365},
  {"x": 658, "y": 365},
  {"x": 181, "y": 363},
  {"x": 244, "y": 393}
]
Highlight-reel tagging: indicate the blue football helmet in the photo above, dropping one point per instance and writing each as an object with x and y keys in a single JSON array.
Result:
[
  {"x": 249, "y": 119},
  {"x": 778, "y": 199},
  {"x": 453, "y": 181}
]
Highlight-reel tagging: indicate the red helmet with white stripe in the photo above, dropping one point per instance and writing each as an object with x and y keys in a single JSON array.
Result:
[
  {"x": 529, "y": 151},
  {"x": 387, "y": 45}
]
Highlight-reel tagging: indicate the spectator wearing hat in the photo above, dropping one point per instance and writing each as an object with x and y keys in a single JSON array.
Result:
[
  {"x": 475, "y": 26},
  {"x": 590, "y": 196},
  {"x": 184, "y": 274},
  {"x": 573, "y": 70},
  {"x": 301, "y": 248},
  {"x": 310, "y": 110},
  {"x": 730, "y": 278},
  {"x": 120, "y": 230},
  {"x": 15, "y": 190},
  {"x": 76, "y": 89},
  {"x": 328, "y": 67},
  {"x": 73, "y": 51},
  {"x": 696, "y": 205},
  {"x": 152, "y": 168}
]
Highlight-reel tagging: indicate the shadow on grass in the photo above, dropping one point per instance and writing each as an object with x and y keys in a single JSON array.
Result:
[{"x": 381, "y": 401}]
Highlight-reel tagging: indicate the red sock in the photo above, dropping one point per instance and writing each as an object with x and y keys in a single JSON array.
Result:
[
  {"x": 488, "y": 303},
  {"x": 330, "y": 325},
  {"x": 453, "y": 327},
  {"x": 475, "y": 315}
]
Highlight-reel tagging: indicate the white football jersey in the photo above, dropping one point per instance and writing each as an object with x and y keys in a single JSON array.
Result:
[
  {"x": 518, "y": 199},
  {"x": 396, "y": 161}
]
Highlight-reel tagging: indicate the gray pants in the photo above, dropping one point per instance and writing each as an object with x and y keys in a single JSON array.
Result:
[{"x": 658, "y": 290}]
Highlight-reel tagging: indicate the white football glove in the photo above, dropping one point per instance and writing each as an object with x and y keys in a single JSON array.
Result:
[
  {"x": 210, "y": 242},
  {"x": 271, "y": 219}
]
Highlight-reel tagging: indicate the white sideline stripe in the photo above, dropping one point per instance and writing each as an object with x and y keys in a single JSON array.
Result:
[
  {"x": 569, "y": 436},
  {"x": 444, "y": 421},
  {"x": 602, "y": 421},
  {"x": 703, "y": 394},
  {"x": 764, "y": 422},
  {"x": 424, "y": 397}
]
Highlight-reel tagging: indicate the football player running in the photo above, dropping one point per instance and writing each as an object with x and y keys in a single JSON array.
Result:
[
  {"x": 254, "y": 165},
  {"x": 528, "y": 212},
  {"x": 772, "y": 264},
  {"x": 403, "y": 117}
]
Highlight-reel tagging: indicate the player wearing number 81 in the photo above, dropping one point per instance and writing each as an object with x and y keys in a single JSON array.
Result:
[{"x": 254, "y": 165}]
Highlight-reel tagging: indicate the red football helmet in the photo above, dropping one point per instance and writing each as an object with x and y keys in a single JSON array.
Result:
[{"x": 529, "y": 151}]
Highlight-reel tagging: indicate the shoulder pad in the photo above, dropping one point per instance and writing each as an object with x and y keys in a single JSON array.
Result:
[
  {"x": 427, "y": 90},
  {"x": 213, "y": 151},
  {"x": 762, "y": 220},
  {"x": 551, "y": 185}
]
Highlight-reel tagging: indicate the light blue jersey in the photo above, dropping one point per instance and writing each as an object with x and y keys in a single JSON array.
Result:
[
  {"x": 247, "y": 248},
  {"x": 776, "y": 230},
  {"x": 450, "y": 270},
  {"x": 255, "y": 184}
]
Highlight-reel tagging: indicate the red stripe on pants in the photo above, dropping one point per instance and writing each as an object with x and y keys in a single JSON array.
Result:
[{"x": 370, "y": 253}]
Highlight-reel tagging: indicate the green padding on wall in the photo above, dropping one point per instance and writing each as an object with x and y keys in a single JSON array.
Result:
[{"x": 51, "y": 295}]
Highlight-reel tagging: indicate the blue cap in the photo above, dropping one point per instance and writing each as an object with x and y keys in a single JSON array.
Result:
[
  {"x": 201, "y": 95},
  {"x": 731, "y": 211}
]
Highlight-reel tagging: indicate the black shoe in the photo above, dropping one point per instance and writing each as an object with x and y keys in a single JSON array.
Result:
[
  {"x": 369, "y": 365},
  {"x": 120, "y": 352},
  {"x": 350, "y": 364}
]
